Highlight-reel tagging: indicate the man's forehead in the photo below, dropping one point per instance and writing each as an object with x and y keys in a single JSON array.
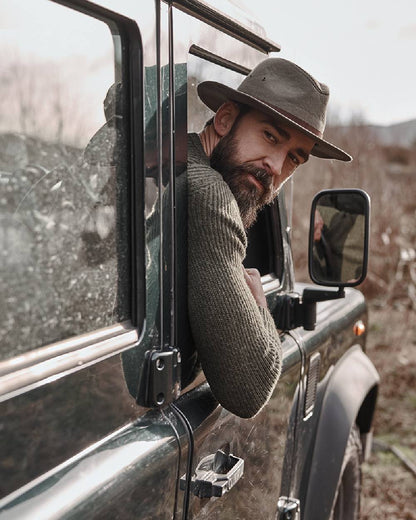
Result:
[{"x": 284, "y": 128}]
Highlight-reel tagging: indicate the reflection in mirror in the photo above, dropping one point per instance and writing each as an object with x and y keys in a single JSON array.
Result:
[{"x": 338, "y": 237}]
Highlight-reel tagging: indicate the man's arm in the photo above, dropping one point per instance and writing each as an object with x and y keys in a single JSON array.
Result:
[{"x": 235, "y": 335}]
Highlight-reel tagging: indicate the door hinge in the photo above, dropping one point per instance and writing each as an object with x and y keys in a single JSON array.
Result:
[
  {"x": 162, "y": 377},
  {"x": 288, "y": 508}
]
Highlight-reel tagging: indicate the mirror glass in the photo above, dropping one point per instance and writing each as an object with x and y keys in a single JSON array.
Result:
[{"x": 338, "y": 243}]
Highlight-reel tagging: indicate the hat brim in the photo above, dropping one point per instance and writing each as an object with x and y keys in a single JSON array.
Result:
[{"x": 214, "y": 94}]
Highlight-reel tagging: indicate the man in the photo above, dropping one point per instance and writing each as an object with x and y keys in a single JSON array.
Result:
[{"x": 259, "y": 135}]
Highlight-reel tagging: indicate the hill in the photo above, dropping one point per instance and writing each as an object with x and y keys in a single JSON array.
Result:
[{"x": 400, "y": 134}]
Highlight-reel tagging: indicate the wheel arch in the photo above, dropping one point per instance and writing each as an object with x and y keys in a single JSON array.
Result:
[
  {"x": 350, "y": 396},
  {"x": 365, "y": 414}
]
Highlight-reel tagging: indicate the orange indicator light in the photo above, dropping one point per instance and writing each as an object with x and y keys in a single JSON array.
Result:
[{"x": 359, "y": 328}]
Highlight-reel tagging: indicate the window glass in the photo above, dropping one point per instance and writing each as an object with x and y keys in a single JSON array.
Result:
[
  {"x": 202, "y": 70},
  {"x": 63, "y": 176}
]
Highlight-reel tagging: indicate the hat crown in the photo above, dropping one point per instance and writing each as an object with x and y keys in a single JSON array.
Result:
[{"x": 288, "y": 88}]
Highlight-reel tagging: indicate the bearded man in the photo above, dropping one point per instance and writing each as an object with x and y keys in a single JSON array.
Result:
[{"x": 259, "y": 135}]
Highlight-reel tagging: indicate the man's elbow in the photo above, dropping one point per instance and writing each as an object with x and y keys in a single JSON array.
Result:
[{"x": 247, "y": 402}]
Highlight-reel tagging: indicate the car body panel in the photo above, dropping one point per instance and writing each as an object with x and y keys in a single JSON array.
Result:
[{"x": 131, "y": 473}]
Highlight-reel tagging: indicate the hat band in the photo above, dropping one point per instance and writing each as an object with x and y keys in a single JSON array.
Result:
[{"x": 297, "y": 120}]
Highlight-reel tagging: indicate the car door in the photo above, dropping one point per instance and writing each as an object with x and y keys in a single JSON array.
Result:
[{"x": 265, "y": 442}]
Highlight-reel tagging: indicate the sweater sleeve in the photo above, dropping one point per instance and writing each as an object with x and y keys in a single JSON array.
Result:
[{"x": 237, "y": 341}]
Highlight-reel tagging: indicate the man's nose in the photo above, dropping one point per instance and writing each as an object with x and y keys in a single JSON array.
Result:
[{"x": 274, "y": 165}]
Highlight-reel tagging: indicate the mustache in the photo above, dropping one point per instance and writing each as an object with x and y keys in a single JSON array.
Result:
[{"x": 260, "y": 174}]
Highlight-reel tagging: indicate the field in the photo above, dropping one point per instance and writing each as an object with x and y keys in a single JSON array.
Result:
[
  {"x": 389, "y": 489},
  {"x": 388, "y": 174}
]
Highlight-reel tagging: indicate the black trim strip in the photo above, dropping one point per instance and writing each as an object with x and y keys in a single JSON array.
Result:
[
  {"x": 134, "y": 76},
  {"x": 173, "y": 271},
  {"x": 214, "y": 58},
  {"x": 228, "y": 25},
  {"x": 190, "y": 433},
  {"x": 178, "y": 471}
]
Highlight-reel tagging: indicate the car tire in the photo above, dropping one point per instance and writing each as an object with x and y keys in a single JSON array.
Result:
[{"x": 347, "y": 497}]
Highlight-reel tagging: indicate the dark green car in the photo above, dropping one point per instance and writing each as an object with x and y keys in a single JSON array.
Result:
[{"x": 106, "y": 413}]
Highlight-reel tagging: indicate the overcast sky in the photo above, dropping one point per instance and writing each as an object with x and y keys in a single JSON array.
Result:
[{"x": 365, "y": 50}]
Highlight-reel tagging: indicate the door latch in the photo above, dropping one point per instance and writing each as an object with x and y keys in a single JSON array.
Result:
[{"x": 215, "y": 475}]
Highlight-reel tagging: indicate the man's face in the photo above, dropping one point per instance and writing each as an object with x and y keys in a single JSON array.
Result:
[{"x": 256, "y": 157}]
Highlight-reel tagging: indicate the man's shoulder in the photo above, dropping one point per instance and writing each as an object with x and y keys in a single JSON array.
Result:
[
  {"x": 196, "y": 153},
  {"x": 206, "y": 187},
  {"x": 207, "y": 190},
  {"x": 203, "y": 176},
  {"x": 200, "y": 173}
]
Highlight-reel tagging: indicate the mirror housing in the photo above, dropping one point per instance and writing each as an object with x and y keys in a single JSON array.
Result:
[
  {"x": 338, "y": 254},
  {"x": 339, "y": 237}
]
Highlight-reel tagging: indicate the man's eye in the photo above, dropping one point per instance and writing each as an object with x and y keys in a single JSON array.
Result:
[
  {"x": 294, "y": 160},
  {"x": 270, "y": 137}
]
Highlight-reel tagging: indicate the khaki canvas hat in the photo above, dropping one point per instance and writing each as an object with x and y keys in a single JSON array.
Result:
[{"x": 284, "y": 91}]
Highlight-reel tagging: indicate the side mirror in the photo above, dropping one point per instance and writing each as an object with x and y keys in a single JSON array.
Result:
[
  {"x": 338, "y": 254},
  {"x": 339, "y": 237}
]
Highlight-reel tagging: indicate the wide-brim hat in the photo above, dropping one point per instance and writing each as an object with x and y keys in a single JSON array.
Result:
[{"x": 286, "y": 92}]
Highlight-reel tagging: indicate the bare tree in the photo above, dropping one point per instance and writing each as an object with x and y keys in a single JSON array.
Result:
[{"x": 42, "y": 99}]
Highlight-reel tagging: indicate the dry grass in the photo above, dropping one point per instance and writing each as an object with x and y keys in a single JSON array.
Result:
[{"x": 389, "y": 489}]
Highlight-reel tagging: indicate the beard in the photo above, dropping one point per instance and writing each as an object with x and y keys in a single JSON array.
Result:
[{"x": 249, "y": 197}]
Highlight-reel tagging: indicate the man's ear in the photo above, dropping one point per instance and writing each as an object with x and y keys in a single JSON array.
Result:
[{"x": 225, "y": 117}]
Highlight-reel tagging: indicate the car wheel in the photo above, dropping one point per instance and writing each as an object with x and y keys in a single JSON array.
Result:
[{"x": 347, "y": 497}]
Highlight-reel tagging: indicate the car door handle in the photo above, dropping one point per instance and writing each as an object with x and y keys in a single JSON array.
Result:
[{"x": 215, "y": 475}]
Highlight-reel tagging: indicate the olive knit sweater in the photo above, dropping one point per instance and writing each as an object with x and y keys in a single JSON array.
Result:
[{"x": 236, "y": 340}]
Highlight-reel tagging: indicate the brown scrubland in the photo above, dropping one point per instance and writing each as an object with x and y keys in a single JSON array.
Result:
[{"x": 388, "y": 174}]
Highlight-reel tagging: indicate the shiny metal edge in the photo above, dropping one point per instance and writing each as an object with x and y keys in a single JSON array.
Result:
[
  {"x": 31, "y": 377},
  {"x": 64, "y": 465},
  {"x": 270, "y": 283},
  {"x": 62, "y": 347},
  {"x": 217, "y": 19}
]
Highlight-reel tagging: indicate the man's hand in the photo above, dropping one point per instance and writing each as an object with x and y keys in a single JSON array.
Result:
[{"x": 252, "y": 277}]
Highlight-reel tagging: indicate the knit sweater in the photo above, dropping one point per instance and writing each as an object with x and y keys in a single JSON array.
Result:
[{"x": 237, "y": 341}]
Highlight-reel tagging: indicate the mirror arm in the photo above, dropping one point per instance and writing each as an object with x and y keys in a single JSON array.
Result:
[
  {"x": 321, "y": 295},
  {"x": 291, "y": 311}
]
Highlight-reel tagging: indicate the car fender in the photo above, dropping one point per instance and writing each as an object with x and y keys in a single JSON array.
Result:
[{"x": 352, "y": 379}]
